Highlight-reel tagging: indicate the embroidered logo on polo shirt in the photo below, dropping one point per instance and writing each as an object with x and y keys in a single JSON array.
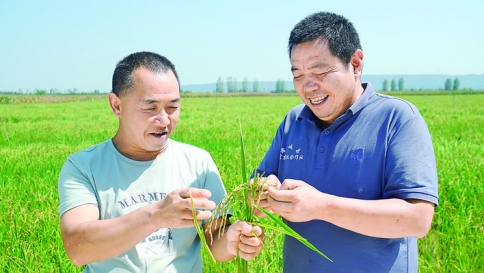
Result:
[
  {"x": 290, "y": 153},
  {"x": 356, "y": 155}
]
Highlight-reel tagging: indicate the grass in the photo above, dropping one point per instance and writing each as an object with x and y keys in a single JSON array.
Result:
[{"x": 36, "y": 138}]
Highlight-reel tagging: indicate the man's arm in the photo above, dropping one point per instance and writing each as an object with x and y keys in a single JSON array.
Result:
[
  {"x": 297, "y": 201},
  {"x": 88, "y": 239}
]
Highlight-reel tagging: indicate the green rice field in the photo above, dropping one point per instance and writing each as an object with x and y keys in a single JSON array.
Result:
[{"x": 36, "y": 136}]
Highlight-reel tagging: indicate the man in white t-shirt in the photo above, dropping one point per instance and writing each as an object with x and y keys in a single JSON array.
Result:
[{"x": 125, "y": 203}]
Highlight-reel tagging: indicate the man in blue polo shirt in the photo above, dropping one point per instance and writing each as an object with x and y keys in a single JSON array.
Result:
[{"x": 358, "y": 170}]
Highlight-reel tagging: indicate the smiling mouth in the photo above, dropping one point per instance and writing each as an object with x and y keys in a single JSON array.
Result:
[
  {"x": 318, "y": 100},
  {"x": 159, "y": 134}
]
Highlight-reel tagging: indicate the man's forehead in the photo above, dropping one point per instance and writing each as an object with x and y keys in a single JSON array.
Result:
[
  {"x": 155, "y": 100},
  {"x": 319, "y": 42}
]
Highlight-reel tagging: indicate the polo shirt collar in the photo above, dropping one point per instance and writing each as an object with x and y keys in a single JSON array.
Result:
[{"x": 360, "y": 103}]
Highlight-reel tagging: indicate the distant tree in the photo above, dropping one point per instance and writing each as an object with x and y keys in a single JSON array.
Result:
[
  {"x": 40, "y": 92},
  {"x": 448, "y": 84},
  {"x": 393, "y": 85},
  {"x": 280, "y": 86},
  {"x": 255, "y": 86},
  {"x": 231, "y": 84},
  {"x": 219, "y": 88},
  {"x": 385, "y": 85},
  {"x": 456, "y": 84},
  {"x": 234, "y": 84},
  {"x": 400, "y": 84},
  {"x": 245, "y": 85}
]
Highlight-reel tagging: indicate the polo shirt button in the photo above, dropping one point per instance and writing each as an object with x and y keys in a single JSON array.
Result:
[
  {"x": 321, "y": 150},
  {"x": 326, "y": 132}
]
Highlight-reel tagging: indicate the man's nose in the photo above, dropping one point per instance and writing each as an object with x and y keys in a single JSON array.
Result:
[
  {"x": 310, "y": 85},
  {"x": 162, "y": 118}
]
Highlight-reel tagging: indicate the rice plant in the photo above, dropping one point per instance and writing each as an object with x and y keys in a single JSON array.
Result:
[{"x": 243, "y": 200}]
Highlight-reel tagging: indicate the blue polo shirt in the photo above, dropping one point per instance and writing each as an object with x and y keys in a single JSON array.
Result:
[{"x": 379, "y": 149}]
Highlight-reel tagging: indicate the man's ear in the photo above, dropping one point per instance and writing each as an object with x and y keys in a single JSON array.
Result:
[
  {"x": 357, "y": 63},
  {"x": 115, "y": 104}
]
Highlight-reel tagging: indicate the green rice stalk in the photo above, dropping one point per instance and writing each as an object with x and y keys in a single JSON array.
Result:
[
  {"x": 198, "y": 227},
  {"x": 288, "y": 231},
  {"x": 200, "y": 231}
]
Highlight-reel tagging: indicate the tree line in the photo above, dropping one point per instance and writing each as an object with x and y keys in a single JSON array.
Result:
[
  {"x": 448, "y": 86},
  {"x": 231, "y": 86}
]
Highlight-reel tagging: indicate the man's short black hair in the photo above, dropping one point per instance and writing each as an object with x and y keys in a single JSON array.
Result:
[
  {"x": 342, "y": 37},
  {"x": 123, "y": 73}
]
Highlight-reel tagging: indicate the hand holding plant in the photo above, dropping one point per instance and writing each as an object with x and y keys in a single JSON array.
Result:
[
  {"x": 244, "y": 240},
  {"x": 179, "y": 207},
  {"x": 270, "y": 181},
  {"x": 296, "y": 201}
]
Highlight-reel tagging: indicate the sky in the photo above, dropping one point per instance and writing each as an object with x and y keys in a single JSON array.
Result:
[{"x": 76, "y": 44}]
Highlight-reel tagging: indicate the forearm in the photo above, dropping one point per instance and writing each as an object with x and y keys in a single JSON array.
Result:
[
  {"x": 385, "y": 218},
  {"x": 97, "y": 240}
]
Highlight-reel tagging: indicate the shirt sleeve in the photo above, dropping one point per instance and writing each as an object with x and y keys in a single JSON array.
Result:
[
  {"x": 74, "y": 187},
  {"x": 411, "y": 171}
]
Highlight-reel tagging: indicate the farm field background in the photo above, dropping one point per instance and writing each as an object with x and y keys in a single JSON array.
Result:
[{"x": 36, "y": 138}]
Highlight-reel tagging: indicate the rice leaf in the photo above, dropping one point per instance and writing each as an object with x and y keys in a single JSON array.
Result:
[
  {"x": 289, "y": 231},
  {"x": 242, "y": 155},
  {"x": 200, "y": 232},
  {"x": 198, "y": 227}
]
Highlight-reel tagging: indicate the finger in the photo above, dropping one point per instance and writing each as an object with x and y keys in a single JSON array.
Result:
[
  {"x": 203, "y": 215},
  {"x": 250, "y": 242},
  {"x": 202, "y": 204},
  {"x": 249, "y": 248},
  {"x": 259, "y": 214},
  {"x": 259, "y": 200},
  {"x": 290, "y": 184},
  {"x": 195, "y": 193},
  {"x": 273, "y": 181},
  {"x": 241, "y": 227},
  {"x": 236, "y": 229},
  {"x": 265, "y": 205},
  {"x": 279, "y": 195},
  {"x": 281, "y": 208},
  {"x": 258, "y": 231}
]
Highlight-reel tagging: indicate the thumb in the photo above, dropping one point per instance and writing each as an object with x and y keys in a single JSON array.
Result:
[
  {"x": 238, "y": 228},
  {"x": 273, "y": 181},
  {"x": 289, "y": 184}
]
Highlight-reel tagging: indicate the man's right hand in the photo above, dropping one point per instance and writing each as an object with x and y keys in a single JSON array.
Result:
[{"x": 175, "y": 210}]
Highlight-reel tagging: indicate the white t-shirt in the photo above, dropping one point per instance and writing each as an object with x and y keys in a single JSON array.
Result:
[{"x": 100, "y": 175}]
